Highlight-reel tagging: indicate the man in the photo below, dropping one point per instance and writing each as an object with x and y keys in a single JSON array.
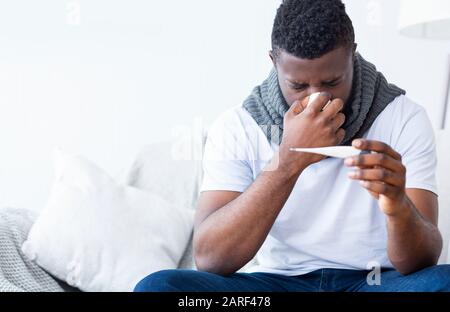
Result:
[{"x": 316, "y": 223}]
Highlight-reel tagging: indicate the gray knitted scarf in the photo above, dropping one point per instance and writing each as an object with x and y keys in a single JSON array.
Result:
[{"x": 370, "y": 95}]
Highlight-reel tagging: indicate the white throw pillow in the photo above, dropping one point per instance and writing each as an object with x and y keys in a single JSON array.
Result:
[{"x": 100, "y": 236}]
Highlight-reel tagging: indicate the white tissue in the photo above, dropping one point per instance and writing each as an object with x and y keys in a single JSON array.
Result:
[{"x": 314, "y": 96}]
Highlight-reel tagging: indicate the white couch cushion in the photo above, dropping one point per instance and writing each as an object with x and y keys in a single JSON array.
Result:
[
  {"x": 168, "y": 171},
  {"x": 173, "y": 170},
  {"x": 100, "y": 236}
]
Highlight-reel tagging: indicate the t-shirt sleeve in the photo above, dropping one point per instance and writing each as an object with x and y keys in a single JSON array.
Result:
[
  {"x": 416, "y": 143},
  {"x": 226, "y": 165}
]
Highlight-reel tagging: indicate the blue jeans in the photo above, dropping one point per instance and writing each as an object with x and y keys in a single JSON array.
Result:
[{"x": 435, "y": 278}]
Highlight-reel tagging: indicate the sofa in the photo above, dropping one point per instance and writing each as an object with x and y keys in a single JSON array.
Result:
[{"x": 173, "y": 170}]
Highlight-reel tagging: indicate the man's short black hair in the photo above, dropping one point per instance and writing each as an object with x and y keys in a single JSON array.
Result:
[{"x": 309, "y": 29}]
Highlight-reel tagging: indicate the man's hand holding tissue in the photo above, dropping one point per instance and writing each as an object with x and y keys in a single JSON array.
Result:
[{"x": 315, "y": 125}]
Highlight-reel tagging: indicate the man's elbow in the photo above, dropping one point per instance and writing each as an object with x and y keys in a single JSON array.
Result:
[
  {"x": 208, "y": 264},
  {"x": 210, "y": 261},
  {"x": 406, "y": 268}
]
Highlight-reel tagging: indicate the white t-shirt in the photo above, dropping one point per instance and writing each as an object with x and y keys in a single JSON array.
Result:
[{"x": 329, "y": 220}]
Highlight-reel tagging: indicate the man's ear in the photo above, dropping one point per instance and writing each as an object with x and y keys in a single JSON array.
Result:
[
  {"x": 273, "y": 58},
  {"x": 355, "y": 46}
]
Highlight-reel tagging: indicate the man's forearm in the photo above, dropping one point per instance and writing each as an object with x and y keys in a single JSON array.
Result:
[
  {"x": 231, "y": 236},
  {"x": 413, "y": 242}
]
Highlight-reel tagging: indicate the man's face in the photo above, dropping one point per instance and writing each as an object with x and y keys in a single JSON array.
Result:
[{"x": 332, "y": 72}]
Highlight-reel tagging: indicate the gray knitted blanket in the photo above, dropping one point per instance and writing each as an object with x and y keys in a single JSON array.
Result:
[
  {"x": 371, "y": 93},
  {"x": 17, "y": 273}
]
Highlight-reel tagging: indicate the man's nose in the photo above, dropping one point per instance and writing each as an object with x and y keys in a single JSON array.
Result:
[{"x": 313, "y": 90}]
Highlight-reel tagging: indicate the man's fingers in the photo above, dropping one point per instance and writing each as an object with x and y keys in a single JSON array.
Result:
[
  {"x": 376, "y": 146},
  {"x": 340, "y": 135},
  {"x": 376, "y": 160},
  {"x": 295, "y": 109},
  {"x": 332, "y": 109},
  {"x": 380, "y": 175},
  {"x": 338, "y": 121},
  {"x": 379, "y": 188}
]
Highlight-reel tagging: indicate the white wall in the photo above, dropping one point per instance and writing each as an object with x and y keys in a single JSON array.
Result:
[
  {"x": 118, "y": 76},
  {"x": 418, "y": 66},
  {"x": 103, "y": 78}
]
